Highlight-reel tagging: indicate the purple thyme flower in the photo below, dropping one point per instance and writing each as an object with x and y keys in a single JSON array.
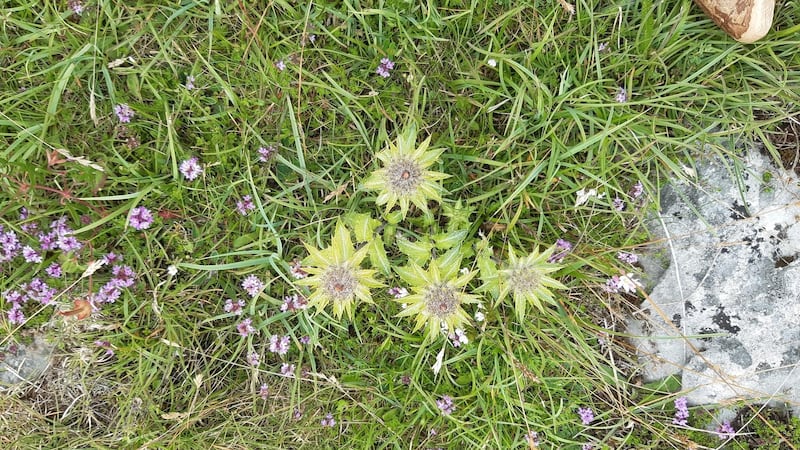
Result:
[
  {"x": 445, "y": 404},
  {"x": 112, "y": 258},
  {"x": 123, "y": 276},
  {"x": 586, "y": 414},
  {"x": 618, "y": 204},
  {"x": 245, "y": 327},
  {"x": 263, "y": 391},
  {"x": 189, "y": 83},
  {"x": 279, "y": 344},
  {"x": 385, "y": 67},
  {"x": 637, "y": 190},
  {"x": 15, "y": 314},
  {"x": 235, "y": 307},
  {"x": 681, "y": 412},
  {"x": 297, "y": 414},
  {"x": 725, "y": 431},
  {"x": 305, "y": 340},
  {"x": 29, "y": 227},
  {"x": 53, "y": 270},
  {"x": 254, "y": 359},
  {"x": 252, "y": 285},
  {"x": 191, "y": 169},
  {"x": 266, "y": 153},
  {"x": 76, "y": 6},
  {"x": 458, "y": 338},
  {"x": 124, "y": 112},
  {"x": 328, "y": 421},
  {"x": 287, "y": 370},
  {"x": 622, "y": 95},
  {"x": 565, "y": 247},
  {"x": 140, "y": 218},
  {"x": 280, "y": 65},
  {"x": 31, "y": 255},
  {"x": 533, "y": 439},
  {"x": 294, "y": 303},
  {"x": 397, "y": 292},
  {"x": 245, "y": 205},
  {"x": 297, "y": 270},
  {"x": 629, "y": 258},
  {"x": 69, "y": 244}
]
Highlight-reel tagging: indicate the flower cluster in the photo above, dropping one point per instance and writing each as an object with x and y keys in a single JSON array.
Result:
[
  {"x": 445, "y": 405},
  {"x": 564, "y": 247},
  {"x": 294, "y": 303},
  {"x": 140, "y": 218},
  {"x": 279, "y": 344},
  {"x": 725, "y": 431},
  {"x": 629, "y": 258},
  {"x": 191, "y": 169},
  {"x": 385, "y": 67},
  {"x": 266, "y": 153},
  {"x": 622, "y": 283},
  {"x": 245, "y": 206},
  {"x": 328, "y": 421},
  {"x": 123, "y": 277},
  {"x": 681, "y": 412},
  {"x": 586, "y": 414},
  {"x": 252, "y": 285},
  {"x": 234, "y": 306},
  {"x": 124, "y": 112}
]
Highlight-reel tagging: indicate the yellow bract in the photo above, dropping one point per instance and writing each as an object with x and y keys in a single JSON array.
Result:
[
  {"x": 438, "y": 294},
  {"x": 336, "y": 274},
  {"x": 404, "y": 178}
]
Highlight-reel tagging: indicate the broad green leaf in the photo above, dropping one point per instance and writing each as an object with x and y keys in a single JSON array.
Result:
[
  {"x": 449, "y": 240},
  {"x": 378, "y": 258},
  {"x": 418, "y": 251}
]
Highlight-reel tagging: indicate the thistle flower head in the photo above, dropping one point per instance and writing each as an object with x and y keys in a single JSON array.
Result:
[
  {"x": 404, "y": 178},
  {"x": 527, "y": 280},
  {"x": 438, "y": 294},
  {"x": 336, "y": 275}
]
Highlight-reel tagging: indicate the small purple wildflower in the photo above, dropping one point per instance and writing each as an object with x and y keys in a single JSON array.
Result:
[
  {"x": 294, "y": 303},
  {"x": 123, "y": 276},
  {"x": 266, "y": 153},
  {"x": 297, "y": 414},
  {"x": 602, "y": 47},
  {"x": 245, "y": 327},
  {"x": 458, "y": 338},
  {"x": 305, "y": 340},
  {"x": 622, "y": 95},
  {"x": 586, "y": 414},
  {"x": 29, "y": 227},
  {"x": 53, "y": 270},
  {"x": 445, "y": 404},
  {"x": 112, "y": 258},
  {"x": 31, "y": 255},
  {"x": 328, "y": 421},
  {"x": 263, "y": 391},
  {"x": 191, "y": 169},
  {"x": 637, "y": 190},
  {"x": 625, "y": 283},
  {"x": 47, "y": 241},
  {"x": 725, "y": 431},
  {"x": 69, "y": 244},
  {"x": 245, "y": 205},
  {"x": 565, "y": 247},
  {"x": 76, "y": 6},
  {"x": 279, "y": 344},
  {"x": 629, "y": 258},
  {"x": 252, "y": 285},
  {"x": 189, "y": 83},
  {"x": 124, "y": 112},
  {"x": 681, "y": 412},
  {"x": 280, "y": 65},
  {"x": 23, "y": 214},
  {"x": 287, "y": 370},
  {"x": 140, "y": 218},
  {"x": 385, "y": 67},
  {"x": 618, "y": 204},
  {"x": 254, "y": 359},
  {"x": 106, "y": 345},
  {"x": 15, "y": 314},
  {"x": 587, "y": 447},
  {"x": 11, "y": 246},
  {"x": 235, "y": 307},
  {"x": 398, "y": 292},
  {"x": 296, "y": 269}
]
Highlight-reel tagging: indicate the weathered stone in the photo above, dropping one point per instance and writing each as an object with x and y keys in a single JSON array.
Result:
[{"x": 725, "y": 312}]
